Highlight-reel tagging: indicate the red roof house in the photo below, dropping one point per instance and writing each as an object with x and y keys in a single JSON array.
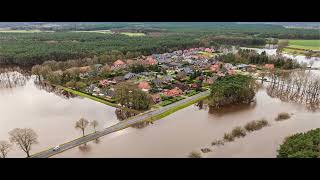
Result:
[
  {"x": 118, "y": 63},
  {"x": 215, "y": 67},
  {"x": 269, "y": 66},
  {"x": 104, "y": 82},
  {"x": 144, "y": 85},
  {"x": 151, "y": 61},
  {"x": 173, "y": 92}
]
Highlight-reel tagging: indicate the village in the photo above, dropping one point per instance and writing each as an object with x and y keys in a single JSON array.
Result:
[{"x": 167, "y": 77}]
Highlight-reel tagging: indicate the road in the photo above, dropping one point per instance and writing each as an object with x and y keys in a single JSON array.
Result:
[{"x": 119, "y": 126}]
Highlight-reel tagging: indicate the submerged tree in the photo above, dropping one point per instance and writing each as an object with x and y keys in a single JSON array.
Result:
[
  {"x": 94, "y": 124},
  {"x": 82, "y": 124},
  {"x": 229, "y": 90},
  {"x": 4, "y": 148},
  {"x": 24, "y": 138}
]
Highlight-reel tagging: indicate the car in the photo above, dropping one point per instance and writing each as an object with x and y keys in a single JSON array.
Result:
[{"x": 56, "y": 148}]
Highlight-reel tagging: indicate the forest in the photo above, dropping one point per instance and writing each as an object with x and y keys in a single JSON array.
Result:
[{"x": 28, "y": 49}]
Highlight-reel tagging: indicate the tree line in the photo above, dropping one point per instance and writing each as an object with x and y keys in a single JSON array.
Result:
[{"x": 246, "y": 56}]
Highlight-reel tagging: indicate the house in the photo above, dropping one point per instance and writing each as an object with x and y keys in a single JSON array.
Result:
[
  {"x": 182, "y": 86},
  {"x": 129, "y": 76},
  {"x": 96, "y": 89},
  {"x": 173, "y": 92},
  {"x": 157, "y": 81},
  {"x": 110, "y": 93},
  {"x": 85, "y": 69},
  {"x": 188, "y": 70},
  {"x": 181, "y": 75},
  {"x": 117, "y": 79},
  {"x": 220, "y": 74},
  {"x": 151, "y": 61},
  {"x": 144, "y": 86},
  {"x": 252, "y": 67},
  {"x": 231, "y": 72},
  {"x": 118, "y": 63},
  {"x": 215, "y": 67},
  {"x": 268, "y": 66},
  {"x": 209, "y": 80},
  {"x": 242, "y": 66},
  {"x": 228, "y": 66},
  {"x": 130, "y": 62},
  {"x": 208, "y": 50},
  {"x": 156, "y": 98},
  {"x": 104, "y": 82},
  {"x": 167, "y": 79}
]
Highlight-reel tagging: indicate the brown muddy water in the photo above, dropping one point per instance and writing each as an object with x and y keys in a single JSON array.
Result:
[
  {"x": 193, "y": 128},
  {"x": 50, "y": 115}
]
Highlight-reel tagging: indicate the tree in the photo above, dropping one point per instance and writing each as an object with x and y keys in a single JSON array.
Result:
[
  {"x": 4, "y": 148},
  {"x": 94, "y": 124},
  {"x": 24, "y": 138},
  {"x": 82, "y": 124}
]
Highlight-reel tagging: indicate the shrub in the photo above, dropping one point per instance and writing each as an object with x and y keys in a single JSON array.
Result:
[
  {"x": 206, "y": 150},
  {"x": 256, "y": 125},
  {"x": 238, "y": 132},
  {"x": 282, "y": 116},
  {"x": 217, "y": 143},
  {"x": 228, "y": 137},
  {"x": 301, "y": 145},
  {"x": 195, "y": 154}
]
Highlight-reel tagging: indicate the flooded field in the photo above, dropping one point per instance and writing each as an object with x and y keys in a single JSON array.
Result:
[
  {"x": 23, "y": 104},
  {"x": 193, "y": 128}
]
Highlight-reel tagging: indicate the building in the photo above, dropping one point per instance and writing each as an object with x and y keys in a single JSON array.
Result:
[
  {"x": 144, "y": 86},
  {"x": 118, "y": 63},
  {"x": 268, "y": 66},
  {"x": 173, "y": 92},
  {"x": 156, "y": 98}
]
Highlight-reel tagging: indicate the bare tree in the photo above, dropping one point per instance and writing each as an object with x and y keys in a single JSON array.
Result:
[
  {"x": 94, "y": 124},
  {"x": 82, "y": 124},
  {"x": 24, "y": 138},
  {"x": 311, "y": 62},
  {"x": 4, "y": 148}
]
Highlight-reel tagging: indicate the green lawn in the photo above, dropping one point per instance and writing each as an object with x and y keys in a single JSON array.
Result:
[
  {"x": 174, "y": 109},
  {"x": 305, "y": 44}
]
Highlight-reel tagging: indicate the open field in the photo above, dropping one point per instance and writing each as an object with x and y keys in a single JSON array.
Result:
[
  {"x": 22, "y": 31},
  {"x": 96, "y": 31},
  {"x": 132, "y": 34},
  {"x": 305, "y": 44}
]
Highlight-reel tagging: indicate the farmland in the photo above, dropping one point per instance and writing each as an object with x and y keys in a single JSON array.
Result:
[{"x": 305, "y": 44}]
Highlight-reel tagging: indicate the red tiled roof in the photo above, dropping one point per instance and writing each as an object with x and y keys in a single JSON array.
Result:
[
  {"x": 173, "y": 92},
  {"x": 144, "y": 85},
  {"x": 118, "y": 63}
]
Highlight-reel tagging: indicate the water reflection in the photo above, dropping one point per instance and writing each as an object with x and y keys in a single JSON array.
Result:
[
  {"x": 123, "y": 115},
  {"x": 12, "y": 77},
  {"x": 232, "y": 109},
  {"x": 300, "y": 87}
]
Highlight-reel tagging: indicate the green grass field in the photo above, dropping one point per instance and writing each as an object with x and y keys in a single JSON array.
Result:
[{"x": 305, "y": 44}]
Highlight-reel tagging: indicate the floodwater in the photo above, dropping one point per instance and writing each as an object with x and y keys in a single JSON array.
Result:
[
  {"x": 51, "y": 116},
  {"x": 299, "y": 58},
  {"x": 193, "y": 128}
]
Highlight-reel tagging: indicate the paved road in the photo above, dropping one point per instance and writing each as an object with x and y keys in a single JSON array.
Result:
[{"x": 116, "y": 127}]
